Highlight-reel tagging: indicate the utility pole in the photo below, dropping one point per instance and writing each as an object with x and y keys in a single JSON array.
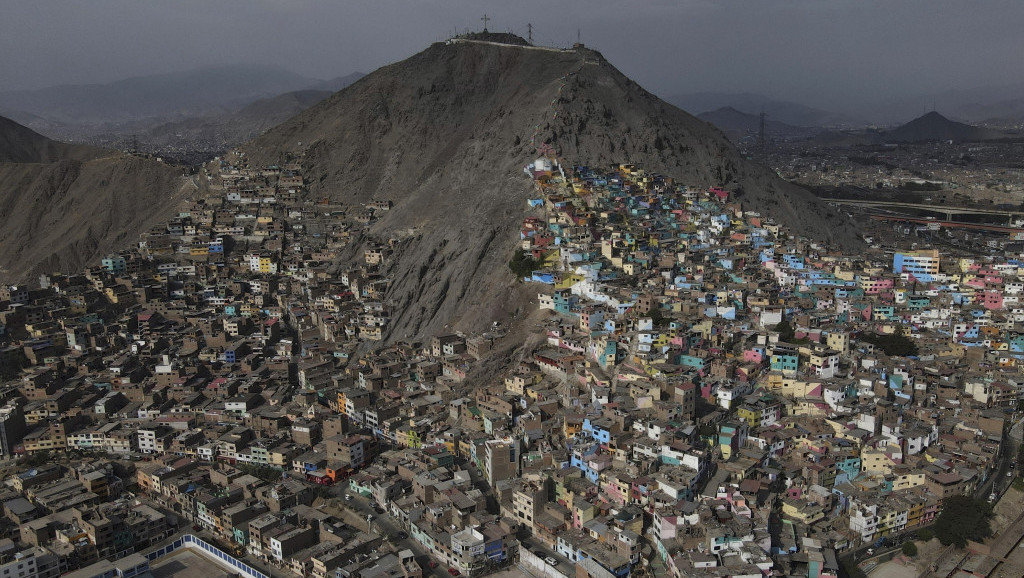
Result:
[
  {"x": 485, "y": 19},
  {"x": 529, "y": 33}
]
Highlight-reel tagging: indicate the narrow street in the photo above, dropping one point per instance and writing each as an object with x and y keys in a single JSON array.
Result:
[{"x": 355, "y": 511}]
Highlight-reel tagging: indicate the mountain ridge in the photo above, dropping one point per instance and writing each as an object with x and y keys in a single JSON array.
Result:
[
  {"x": 788, "y": 112},
  {"x": 735, "y": 123},
  {"x": 203, "y": 91}
]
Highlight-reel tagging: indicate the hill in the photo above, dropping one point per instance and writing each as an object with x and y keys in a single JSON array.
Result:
[
  {"x": 64, "y": 206},
  {"x": 217, "y": 133},
  {"x": 738, "y": 124},
  {"x": 791, "y": 113},
  {"x": 933, "y": 127},
  {"x": 445, "y": 135},
  {"x": 20, "y": 144},
  {"x": 164, "y": 96}
]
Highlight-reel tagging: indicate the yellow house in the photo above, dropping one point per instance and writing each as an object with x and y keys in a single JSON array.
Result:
[
  {"x": 750, "y": 415},
  {"x": 568, "y": 281},
  {"x": 414, "y": 439},
  {"x": 704, "y": 328},
  {"x": 878, "y": 460},
  {"x": 799, "y": 511},
  {"x": 915, "y": 512},
  {"x": 905, "y": 481}
]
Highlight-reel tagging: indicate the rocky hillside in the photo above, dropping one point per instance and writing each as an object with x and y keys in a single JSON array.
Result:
[
  {"x": 445, "y": 135},
  {"x": 64, "y": 206}
]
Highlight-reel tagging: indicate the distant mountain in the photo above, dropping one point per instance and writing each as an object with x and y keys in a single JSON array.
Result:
[
  {"x": 445, "y": 135},
  {"x": 971, "y": 105},
  {"x": 737, "y": 124},
  {"x": 220, "y": 132},
  {"x": 790, "y": 113},
  {"x": 64, "y": 206},
  {"x": 933, "y": 127},
  {"x": 1006, "y": 112},
  {"x": 193, "y": 93}
]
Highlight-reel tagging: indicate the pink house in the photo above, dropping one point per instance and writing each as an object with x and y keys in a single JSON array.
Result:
[
  {"x": 875, "y": 285},
  {"x": 991, "y": 299},
  {"x": 614, "y": 492},
  {"x": 977, "y": 283}
]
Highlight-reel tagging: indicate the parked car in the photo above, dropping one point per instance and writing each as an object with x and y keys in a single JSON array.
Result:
[
  {"x": 453, "y": 571},
  {"x": 432, "y": 564},
  {"x": 551, "y": 561}
]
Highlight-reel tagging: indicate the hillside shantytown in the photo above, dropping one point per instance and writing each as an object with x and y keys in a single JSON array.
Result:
[{"x": 706, "y": 394}]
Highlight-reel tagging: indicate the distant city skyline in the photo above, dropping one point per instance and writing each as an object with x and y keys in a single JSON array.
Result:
[{"x": 838, "y": 55}]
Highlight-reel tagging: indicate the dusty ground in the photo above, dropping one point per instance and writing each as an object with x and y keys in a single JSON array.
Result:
[
  {"x": 1014, "y": 565},
  {"x": 894, "y": 569}
]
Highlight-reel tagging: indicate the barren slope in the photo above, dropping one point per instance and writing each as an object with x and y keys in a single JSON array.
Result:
[
  {"x": 445, "y": 134},
  {"x": 66, "y": 206},
  {"x": 20, "y": 144}
]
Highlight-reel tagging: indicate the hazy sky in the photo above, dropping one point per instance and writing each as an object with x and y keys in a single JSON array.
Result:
[{"x": 829, "y": 53}]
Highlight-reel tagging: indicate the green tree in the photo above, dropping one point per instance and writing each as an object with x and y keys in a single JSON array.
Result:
[
  {"x": 925, "y": 535},
  {"x": 268, "y": 474},
  {"x": 522, "y": 263},
  {"x": 963, "y": 518},
  {"x": 39, "y": 459},
  {"x": 658, "y": 317},
  {"x": 786, "y": 331},
  {"x": 910, "y": 549},
  {"x": 894, "y": 344}
]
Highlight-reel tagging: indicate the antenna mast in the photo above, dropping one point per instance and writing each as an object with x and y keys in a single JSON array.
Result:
[
  {"x": 762, "y": 144},
  {"x": 529, "y": 33}
]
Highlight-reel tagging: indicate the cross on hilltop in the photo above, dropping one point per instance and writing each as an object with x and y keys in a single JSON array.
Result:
[{"x": 485, "y": 19}]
